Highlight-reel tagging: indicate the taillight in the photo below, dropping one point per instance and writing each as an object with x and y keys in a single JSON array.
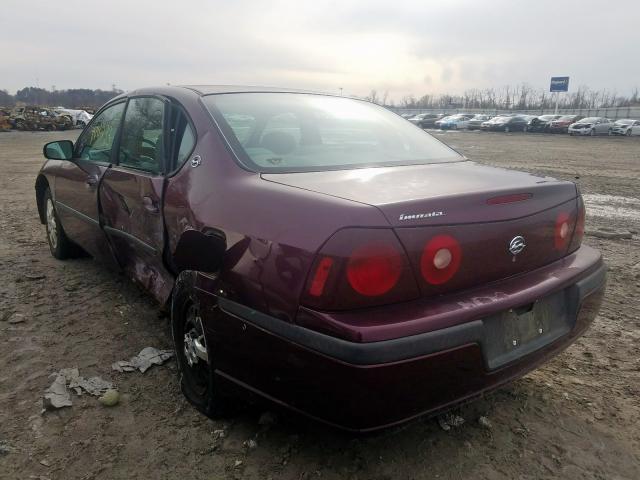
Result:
[
  {"x": 578, "y": 232},
  {"x": 360, "y": 267},
  {"x": 562, "y": 231},
  {"x": 374, "y": 269},
  {"x": 440, "y": 259}
]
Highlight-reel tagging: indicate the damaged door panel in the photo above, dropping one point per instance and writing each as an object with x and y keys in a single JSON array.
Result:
[{"x": 131, "y": 196}]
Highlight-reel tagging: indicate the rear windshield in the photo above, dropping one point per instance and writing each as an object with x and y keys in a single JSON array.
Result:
[{"x": 288, "y": 132}]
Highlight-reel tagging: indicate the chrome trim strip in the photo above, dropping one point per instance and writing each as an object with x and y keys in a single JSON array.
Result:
[
  {"x": 127, "y": 236},
  {"x": 78, "y": 214}
]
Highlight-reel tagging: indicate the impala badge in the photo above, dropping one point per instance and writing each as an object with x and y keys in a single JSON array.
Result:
[{"x": 516, "y": 245}]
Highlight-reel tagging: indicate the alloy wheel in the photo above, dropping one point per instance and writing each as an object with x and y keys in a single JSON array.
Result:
[{"x": 52, "y": 225}]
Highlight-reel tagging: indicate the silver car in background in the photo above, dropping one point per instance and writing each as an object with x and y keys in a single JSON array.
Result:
[
  {"x": 476, "y": 122},
  {"x": 626, "y": 126},
  {"x": 591, "y": 126}
]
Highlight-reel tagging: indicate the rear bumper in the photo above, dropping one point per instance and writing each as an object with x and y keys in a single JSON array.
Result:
[{"x": 366, "y": 386}]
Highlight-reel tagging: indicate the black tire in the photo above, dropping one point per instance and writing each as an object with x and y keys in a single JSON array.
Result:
[
  {"x": 59, "y": 244},
  {"x": 628, "y": 134},
  {"x": 197, "y": 380}
]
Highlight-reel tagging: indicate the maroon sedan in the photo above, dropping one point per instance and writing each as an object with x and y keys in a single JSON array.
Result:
[{"x": 322, "y": 252}]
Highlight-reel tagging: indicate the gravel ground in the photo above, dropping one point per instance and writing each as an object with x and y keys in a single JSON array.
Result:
[{"x": 575, "y": 418}]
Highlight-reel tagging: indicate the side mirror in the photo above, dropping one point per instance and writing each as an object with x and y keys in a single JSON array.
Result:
[{"x": 60, "y": 150}]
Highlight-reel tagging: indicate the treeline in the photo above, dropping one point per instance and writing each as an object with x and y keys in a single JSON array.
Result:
[
  {"x": 519, "y": 97},
  {"x": 72, "y": 98}
]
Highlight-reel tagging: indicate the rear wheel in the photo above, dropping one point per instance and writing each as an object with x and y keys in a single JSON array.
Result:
[
  {"x": 59, "y": 244},
  {"x": 194, "y": 353}
]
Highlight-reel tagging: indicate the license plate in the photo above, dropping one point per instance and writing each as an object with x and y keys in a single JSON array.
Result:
[{"x": 517, "y": 332}]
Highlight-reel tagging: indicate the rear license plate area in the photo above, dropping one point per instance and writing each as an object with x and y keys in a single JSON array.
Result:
[{"x": 514, "y": 333}]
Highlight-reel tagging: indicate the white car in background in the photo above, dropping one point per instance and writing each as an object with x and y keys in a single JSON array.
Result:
[
  {"x": 79, "y": 117},
  {"x": 591, "y": 126},
  {"x": 626, "y": 126}
]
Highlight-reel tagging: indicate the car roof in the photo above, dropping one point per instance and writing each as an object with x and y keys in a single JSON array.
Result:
[{"x": 213, "y": 89}]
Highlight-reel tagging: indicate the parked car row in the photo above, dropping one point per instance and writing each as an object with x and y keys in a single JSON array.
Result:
[{"x": 571, "y": 124}]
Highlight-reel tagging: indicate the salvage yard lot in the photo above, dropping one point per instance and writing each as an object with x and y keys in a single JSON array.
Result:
[{"x": 577, "y": 417}]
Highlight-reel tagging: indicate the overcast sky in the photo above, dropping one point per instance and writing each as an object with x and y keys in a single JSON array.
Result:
[{"x": 405, "y": 47}]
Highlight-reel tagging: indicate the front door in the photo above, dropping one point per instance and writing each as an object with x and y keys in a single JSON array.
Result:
[
  {"x": 76, "y": 184},
  {"x": 131, "y": 194}
]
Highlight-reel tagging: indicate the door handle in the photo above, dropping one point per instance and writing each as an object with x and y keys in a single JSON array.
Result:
[
  {"x": 150, "y": 204},
  {"x": 91, "y": 181}
]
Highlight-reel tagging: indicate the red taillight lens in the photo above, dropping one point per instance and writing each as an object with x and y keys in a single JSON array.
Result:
[
  {"x": 440, "y": 259},
  {"x": 374, "y": 269},
  {"x": 360, "y": 267},
  {"x": 562, "y": 232}
]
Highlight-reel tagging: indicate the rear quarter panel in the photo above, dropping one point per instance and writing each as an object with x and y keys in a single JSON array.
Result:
[{"x": 272, "y": 231}]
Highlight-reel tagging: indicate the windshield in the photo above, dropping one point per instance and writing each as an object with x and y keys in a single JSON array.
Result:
[
  {"x": 589, "y": 120},
  {"x": 624, "y": 121},
  {"x": 289, "y": 132},
  {"x": 567, "y": 118},
  {"x": 546, "y": 117}
]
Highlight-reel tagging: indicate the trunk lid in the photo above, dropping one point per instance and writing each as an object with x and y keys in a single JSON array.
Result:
[
  {"x": 483, "y": 208},
  {"x": 437, "y": 194}
]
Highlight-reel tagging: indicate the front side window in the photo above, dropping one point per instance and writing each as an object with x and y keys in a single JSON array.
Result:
[
  {"x": 96, "y": 142},
  {"x": 141, "y": 145},
  {"x": 285, "y": 132}
]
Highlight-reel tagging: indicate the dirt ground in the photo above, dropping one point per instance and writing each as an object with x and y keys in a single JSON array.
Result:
[{"x": 578, "y": 417}]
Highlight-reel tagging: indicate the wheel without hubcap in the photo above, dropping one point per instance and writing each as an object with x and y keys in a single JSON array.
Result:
[{"x": 194, "y": 352}]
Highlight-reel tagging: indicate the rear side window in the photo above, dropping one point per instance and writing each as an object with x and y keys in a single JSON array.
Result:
[
  {"x": 142, "y": 143},
  {"x": 182, "y": 138}
]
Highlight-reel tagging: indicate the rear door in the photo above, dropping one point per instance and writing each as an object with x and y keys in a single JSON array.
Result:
[
  {"x": 77, "y": 181},
  {"x": 131, "y": 195}
]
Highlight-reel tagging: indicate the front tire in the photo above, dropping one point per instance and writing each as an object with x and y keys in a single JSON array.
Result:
[
  {"x": 194, "y": 354},
  {"x": 59, "y": 244},
  {"x": 507, "y": 129},
  {"x": 593, "y": 132},
  {"x": 628, "y": 134}
]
